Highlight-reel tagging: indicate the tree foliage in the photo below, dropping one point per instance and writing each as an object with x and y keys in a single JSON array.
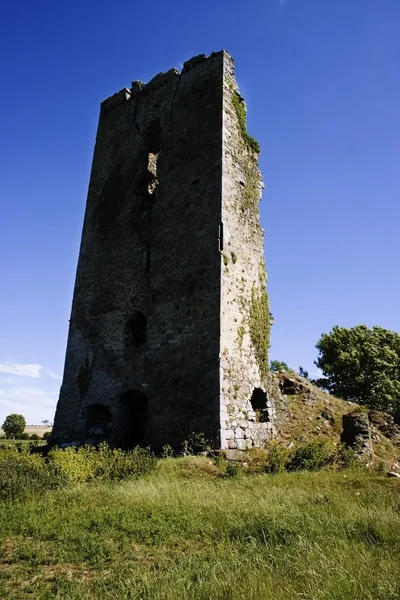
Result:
[
  {"x": 278, "y": 366},
  {"x": 304, "y": 373},
  {"x": 14, "y": 425},
  {"x": 363, "y": 365}
]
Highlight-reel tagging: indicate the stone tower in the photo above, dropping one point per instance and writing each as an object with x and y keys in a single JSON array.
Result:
[{"x": 169, "y": 329}]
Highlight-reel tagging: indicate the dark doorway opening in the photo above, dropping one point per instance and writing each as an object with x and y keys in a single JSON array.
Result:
[
  {"x": 259, "y": 404},
  {"x": 138, "y": 328},
  {"x": 98, "y": 416},
  {"x": 134, "y": 413}
]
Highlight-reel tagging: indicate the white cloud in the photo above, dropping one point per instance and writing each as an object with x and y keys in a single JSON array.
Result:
[
  {"x": 25, "y": 395},
  {"x": 29, "y": 370},
  {"x": 50, "y": 373},
  {"x": 35, "y": 398}
]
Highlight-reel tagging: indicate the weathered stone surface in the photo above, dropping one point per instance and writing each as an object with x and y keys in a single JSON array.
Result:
[
  {"x": 356, "y": 432},
  {"x": 384, "y": 423},
  {"x": 171, "y": 262},
  {"x": 241, "y": 444}
]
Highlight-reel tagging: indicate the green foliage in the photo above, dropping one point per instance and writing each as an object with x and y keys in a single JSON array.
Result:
[
  {"x": 234, "y": 257},
  {"x": 322, "y": 534},
  {"x": 23, "y": 474},
  {"x": 89, "y": 463},
  {"x": 225, "y": 259},
  {"x": 171, "y": 535},
  {"x": 362, "y": 365},
  {"x": 303, "y": 373},
  {"x": 260, "y": 325},
  {"x": 310, "y": 457},
  {"x": 278, "y": 366},
  {"x": 47, "y": 435},
  {"x": 195, "y": 444},
  {"x": 346, "y": 458},
  {"x": 232, "y": 470},
  {"x": 34, "y": 436},
  {"x": 167, "y": 451},
  {"x": 313, "y": 456},
  {"x": 240, "y": 109},
  {"x": 240, "y": 332},
  {"x": 278, "y": 458},
  {"x": 14, "y": 425}
]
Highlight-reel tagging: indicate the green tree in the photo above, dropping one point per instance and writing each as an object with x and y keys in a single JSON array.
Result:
[
  {"x": 363, "y": 365},
  {"x": 304, "y": 373},
  {"x": 278, "y": 366},
  {"x": 14, "y": 425}
]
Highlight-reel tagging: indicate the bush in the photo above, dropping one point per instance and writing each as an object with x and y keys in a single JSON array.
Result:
[
  {"x": 47, "y": 435},
  {"x": 346, "y": 458},
  {"x": 278, "y": 458},
  {"x": 34, "y": 436},
  {"x": 195, "y": 444},
  {"x": 88, "y": 463},
  {"x": 232, "y": 470},
  {"x": 167, "y": 451},
  {"x": 23, "y": 436},
  {"x": 312, "y": 457},
  {"x": 23, "y": 474}
]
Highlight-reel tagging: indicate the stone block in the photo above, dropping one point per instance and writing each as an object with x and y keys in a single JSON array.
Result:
[{"x": 239, "y": 433}]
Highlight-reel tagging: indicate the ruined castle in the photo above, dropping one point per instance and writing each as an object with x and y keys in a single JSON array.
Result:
[{"x": 169, "y": 329}]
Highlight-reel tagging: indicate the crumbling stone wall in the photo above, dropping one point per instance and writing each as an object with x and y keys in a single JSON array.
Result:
[
  {"x": 170, "y": 279},
  {"x": 247, "y": 412},
  {"x": 356, "y": 432}
]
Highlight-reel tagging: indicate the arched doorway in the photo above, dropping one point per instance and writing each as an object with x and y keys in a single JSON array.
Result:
[
  {"x": 258, "y": 402},
  {"x": 134, "y": 414}
]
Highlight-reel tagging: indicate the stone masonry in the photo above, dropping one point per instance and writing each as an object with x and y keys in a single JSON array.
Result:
[{"x": 170, "y": 319}]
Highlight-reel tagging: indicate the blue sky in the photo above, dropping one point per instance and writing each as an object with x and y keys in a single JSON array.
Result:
[{"x": 321, "y": 81}]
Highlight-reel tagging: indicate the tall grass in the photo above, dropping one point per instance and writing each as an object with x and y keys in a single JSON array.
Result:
[{"x": 185, "y": 532}]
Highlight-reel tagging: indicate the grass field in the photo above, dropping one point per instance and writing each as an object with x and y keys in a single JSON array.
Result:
[{"x": 186, "y": 532}]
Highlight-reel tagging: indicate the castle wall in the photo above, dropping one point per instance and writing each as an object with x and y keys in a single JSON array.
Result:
[
  {"x": 244, "y": 303},
  {"x": 150, "y": 251}
]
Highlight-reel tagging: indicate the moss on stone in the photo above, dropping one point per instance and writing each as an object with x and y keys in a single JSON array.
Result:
[
  {"x": 240, "y": 332},
  {"x": 260, "y": 325},
  {"x": 225, "y": 259},
  {"x": 240, "y": 109},
  {"x": 234, "y": 257},
  {"x": 251, "y": 194}
]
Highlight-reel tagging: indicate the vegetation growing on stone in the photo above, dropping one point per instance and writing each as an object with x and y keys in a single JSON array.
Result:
[
  {"x": 240, "y": 332},
  {"x": 259, "y": 324},
  {"x": 234, "y": 257},
  {"x": 240, "y": 109}
]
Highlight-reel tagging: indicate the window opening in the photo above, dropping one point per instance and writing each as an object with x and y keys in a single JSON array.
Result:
[
  {"x": 98, "y": 419},
  {"x": 134, "y": 405},
  {"x": 258, "y": 402},
  {"x": 138, "y": 328}
]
